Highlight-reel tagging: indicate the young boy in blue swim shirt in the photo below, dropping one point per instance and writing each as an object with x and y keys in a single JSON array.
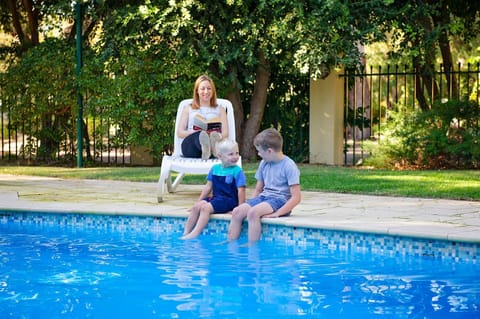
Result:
[
  {"x": 224, "y": 190},
  {"x": 277, "y": 190}
]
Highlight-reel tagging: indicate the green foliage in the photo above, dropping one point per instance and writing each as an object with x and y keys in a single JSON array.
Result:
[
  {"x": 40, "y": 96},
  {"x": 138, "y": 75},
  {"x": 416, "y": 30},
  {"x": 288, "y": 110},
  {"x": 356, "y": 118},
  {"x": 141, "y": 58},
  {"x": 187, "y": 38},
  {"x": 130, "y": 94},
  {"x": 447, "y": 136}
]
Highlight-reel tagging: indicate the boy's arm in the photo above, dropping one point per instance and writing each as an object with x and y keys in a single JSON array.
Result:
[
  {"x": 290, "y": 204},
  {"x": 206, "y": 190},
  {"x": 241, "y": 195},
  {"x": 258, "y": 189}
]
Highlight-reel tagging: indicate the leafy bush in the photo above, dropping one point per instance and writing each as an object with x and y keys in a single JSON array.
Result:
[
  {"x": 39, "y": 98},
  {"x": 446, "y": 136}
]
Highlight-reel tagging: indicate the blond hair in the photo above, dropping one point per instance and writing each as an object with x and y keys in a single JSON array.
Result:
[
  {"x": 196, "y": 97},
  {"x": 225, "y": 146}
]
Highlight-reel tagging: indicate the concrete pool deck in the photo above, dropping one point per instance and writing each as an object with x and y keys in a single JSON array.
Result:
[{"x": 413, "y": 217}]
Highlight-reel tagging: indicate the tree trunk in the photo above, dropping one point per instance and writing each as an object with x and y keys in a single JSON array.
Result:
[
  {"x": 441, "y": 20},
  {"x": 257, "y": 107},
  {"x": 16, "y": 22},
  {"x": 233, "y": 95},
  {"x": 425, "y": 69},
  {"x": 32, "y": 15}
]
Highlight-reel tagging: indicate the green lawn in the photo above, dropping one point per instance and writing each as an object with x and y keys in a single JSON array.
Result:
[{"x": 449, "y": 184}]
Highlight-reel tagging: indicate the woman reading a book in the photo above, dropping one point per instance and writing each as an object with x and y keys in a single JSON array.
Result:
[{"x": 204, "y": 122}]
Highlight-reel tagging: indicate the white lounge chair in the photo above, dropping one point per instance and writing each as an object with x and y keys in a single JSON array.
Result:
[{"x": 184, "y": 165}]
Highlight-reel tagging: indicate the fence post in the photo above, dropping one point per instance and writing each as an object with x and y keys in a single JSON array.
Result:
[
  {"x": 326, "y": 120},
  {"x": 79, "y": 22}
]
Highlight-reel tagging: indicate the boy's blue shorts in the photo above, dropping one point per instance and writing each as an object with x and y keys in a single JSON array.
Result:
[
  {"x": 222, "y": 205},
  {"x": 274, "y": 202}
]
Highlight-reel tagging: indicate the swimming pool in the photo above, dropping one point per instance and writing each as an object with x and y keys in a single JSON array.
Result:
[{"x": 100, "y": 266}]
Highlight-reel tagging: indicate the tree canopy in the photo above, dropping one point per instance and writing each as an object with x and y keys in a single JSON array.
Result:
[{"x": 143, "y": 55}]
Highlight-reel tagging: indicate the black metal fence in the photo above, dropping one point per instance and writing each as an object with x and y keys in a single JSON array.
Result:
[
  {"x": 373, "y": 92},
  {"x": 106, "y": 143}
]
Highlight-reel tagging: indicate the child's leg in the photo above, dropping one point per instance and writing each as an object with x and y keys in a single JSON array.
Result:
[
  {"x": 191, "y": 221},
  {"x": 254, "y": 225},
  {"x": 204, "y": 216},
  {"x": 193, "y": 217},
  {"x": 238, "y": 215}
]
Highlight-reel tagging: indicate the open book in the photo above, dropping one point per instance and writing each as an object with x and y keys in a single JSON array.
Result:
[{"x": 201, "y": 124}]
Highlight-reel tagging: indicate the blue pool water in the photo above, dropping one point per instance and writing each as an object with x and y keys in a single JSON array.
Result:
[{"x": 107, "y": 267}]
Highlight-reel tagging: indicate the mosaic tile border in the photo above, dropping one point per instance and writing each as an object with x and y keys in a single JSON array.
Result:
[{"x": 301, "y": 236}]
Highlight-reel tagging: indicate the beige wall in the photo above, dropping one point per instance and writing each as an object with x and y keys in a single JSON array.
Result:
[{"x": 326, "y": 120}]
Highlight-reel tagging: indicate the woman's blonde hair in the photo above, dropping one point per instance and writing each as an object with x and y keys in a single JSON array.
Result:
[{"x": 196, "y": 98}]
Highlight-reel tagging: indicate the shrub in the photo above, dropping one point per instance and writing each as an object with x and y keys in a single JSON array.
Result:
[{"x": 446, "y": 136}]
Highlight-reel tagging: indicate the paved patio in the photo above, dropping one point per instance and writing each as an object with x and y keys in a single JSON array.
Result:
[{"x": 426, "y": 218}]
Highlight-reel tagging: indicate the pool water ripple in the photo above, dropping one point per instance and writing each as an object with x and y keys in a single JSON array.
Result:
[{"x": 57, "y": 271}]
